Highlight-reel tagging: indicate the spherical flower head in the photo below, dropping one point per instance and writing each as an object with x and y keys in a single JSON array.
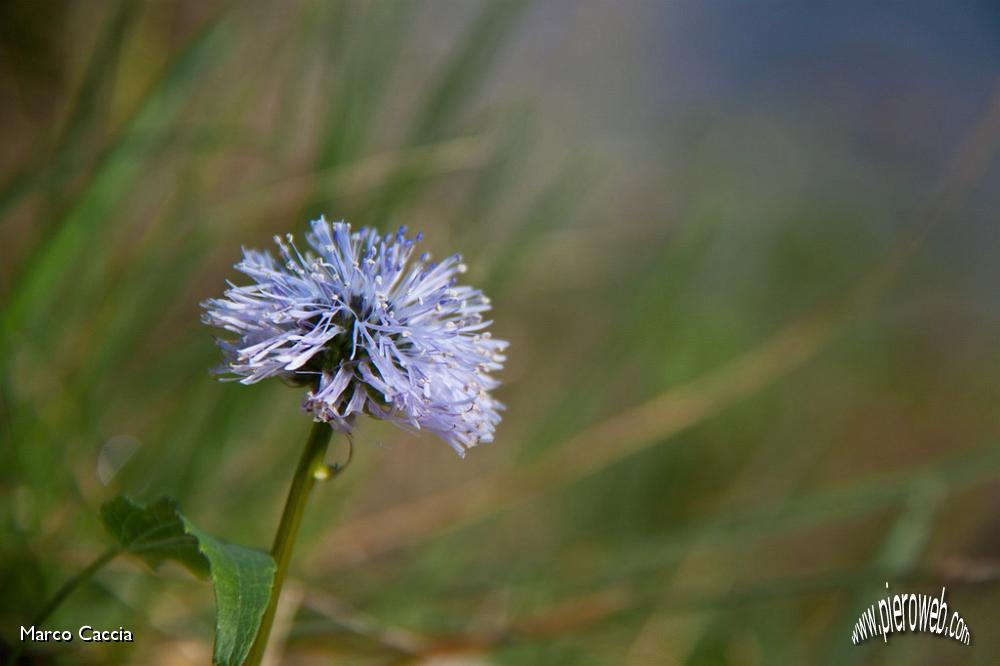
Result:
[{"x": 370, "y": 329}]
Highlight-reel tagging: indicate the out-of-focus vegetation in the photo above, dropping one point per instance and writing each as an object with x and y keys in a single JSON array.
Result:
[{"x": 754, "y": 321}]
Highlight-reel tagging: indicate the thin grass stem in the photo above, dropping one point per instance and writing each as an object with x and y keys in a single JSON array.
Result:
[{"x": 63, "y": 592}]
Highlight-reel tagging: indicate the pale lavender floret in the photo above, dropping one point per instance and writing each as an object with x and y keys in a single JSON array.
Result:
[{"x": 370, "y": 330}]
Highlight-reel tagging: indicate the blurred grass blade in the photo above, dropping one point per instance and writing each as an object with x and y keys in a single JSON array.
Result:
[
  {"x": 53, "y": 169},
  {"x": 361, "y": 177},
  {"x": 364, "y": 80},
  {"x": 493, "y": 182},
  {"x": 458, "y": 82},
  {"x": 551, "y": 208},
  {"x": 921, "y": 488},
  {"x": 898, "y": 557},
  {"x": 466, "y": 69},
  {"x": 115, "y": 176}
]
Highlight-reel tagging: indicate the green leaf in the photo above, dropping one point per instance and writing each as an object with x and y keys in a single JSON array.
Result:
[{"x": 242, "y": 577}]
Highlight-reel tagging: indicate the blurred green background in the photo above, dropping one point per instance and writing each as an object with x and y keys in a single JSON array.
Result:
[{"x": 745, "y": 253}]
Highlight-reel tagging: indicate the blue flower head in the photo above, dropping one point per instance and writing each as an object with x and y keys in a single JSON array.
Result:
[{"x": 369, "y": 329}]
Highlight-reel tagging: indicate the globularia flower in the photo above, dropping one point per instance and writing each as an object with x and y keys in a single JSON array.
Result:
[{"x": 369, "y": 330}]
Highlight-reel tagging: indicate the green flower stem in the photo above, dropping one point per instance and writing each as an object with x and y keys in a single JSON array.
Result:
[
  {"x": 67, "y": 589},
  {"x": 312, "y": 465}
]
